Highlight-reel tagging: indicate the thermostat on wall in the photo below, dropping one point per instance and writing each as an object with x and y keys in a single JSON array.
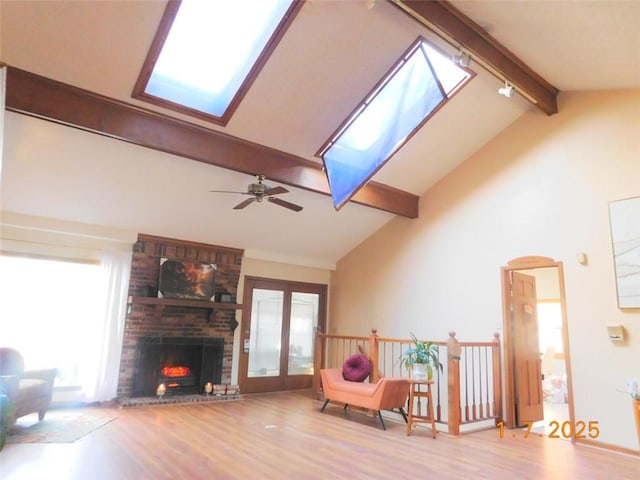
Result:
[{"x": 615, "y": 332}]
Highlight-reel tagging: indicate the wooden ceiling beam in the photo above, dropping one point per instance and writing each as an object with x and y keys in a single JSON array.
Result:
[
  {"x": 42, "y": 97},
  {"x": 455, "y": 27}
]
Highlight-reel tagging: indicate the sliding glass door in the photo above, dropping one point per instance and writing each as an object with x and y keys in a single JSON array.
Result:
[{"x": 279, "y": 322}]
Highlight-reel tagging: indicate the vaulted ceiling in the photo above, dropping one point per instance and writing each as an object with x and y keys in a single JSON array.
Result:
[{"x": 331, "y": 56}]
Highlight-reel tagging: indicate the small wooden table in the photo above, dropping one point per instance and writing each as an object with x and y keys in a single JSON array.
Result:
[{"x": 415, "y": 394}]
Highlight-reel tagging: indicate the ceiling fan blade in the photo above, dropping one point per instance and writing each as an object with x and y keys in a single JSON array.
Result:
[
  {"x": 285, "y": 204},
  {"x": 227, "y": 191},
  {"x": 244, "y": 203},
  {"x": 275, "y": 190}
]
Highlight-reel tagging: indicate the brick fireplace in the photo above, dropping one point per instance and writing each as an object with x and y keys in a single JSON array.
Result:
[
  {"x": 182, "y": 364},
  {"x": 154, "y": 331}
]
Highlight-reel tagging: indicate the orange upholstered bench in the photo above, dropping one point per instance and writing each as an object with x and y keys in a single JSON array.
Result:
[{"x": 385, "y": 394}]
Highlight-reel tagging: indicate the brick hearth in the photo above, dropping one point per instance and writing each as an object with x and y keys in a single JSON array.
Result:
[
  {"x": 171, "y": 321},
  {"x": 168, "y": 400}
]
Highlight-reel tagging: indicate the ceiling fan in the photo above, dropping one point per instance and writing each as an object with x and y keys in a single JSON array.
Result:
[{"x": 259, "y": 191}]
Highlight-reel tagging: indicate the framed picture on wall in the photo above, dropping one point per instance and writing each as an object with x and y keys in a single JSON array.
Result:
[
  {"x": 624, "y": 217},
  {"x": 180, "y": 279}
]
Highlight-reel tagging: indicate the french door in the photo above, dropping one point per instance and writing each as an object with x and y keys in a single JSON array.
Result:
[{"x": 278, "y": 325}]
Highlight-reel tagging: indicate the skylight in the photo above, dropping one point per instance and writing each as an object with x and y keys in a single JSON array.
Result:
[
  {"x": 206, "y": 53},
  {"x": 417, "y": 85}
]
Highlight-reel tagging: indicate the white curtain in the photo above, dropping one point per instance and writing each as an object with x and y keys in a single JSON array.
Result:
[{"x": 101, "y": 382}]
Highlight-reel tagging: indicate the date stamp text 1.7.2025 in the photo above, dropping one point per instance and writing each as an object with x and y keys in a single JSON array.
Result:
[{"x": 566, "y": 429}]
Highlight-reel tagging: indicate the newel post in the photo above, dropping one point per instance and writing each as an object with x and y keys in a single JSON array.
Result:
[
  {"x": 636, "y": 413},
  {"x": 318, "y": 354},
  {"x": 373, "y": 355},
  {"x": 453, "y": 378},
  {"x": 497, "y": 378}
]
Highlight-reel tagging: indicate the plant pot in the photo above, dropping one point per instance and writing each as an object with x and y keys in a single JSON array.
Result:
[
  {"x": 419, "y": 371},
  {"x": 6, "y": 418}
]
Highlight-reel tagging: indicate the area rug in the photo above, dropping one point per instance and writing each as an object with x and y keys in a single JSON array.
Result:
[{"x": 58, "y": 426}]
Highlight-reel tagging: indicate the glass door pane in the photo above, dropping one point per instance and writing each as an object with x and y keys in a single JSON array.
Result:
[
  {"x": 266, "y": 333},
  {"x": 303, "y": 323},
  {"x": 278, "y": 333}
]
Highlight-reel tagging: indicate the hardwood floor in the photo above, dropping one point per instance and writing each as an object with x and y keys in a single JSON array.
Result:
[{"x": 282, "y": 436}]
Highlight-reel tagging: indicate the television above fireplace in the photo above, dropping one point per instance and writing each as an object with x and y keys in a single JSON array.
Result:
[{"x": 191, "y": 280}]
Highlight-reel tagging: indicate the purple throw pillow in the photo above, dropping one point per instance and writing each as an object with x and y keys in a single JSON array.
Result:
[{"x": 356, "y": 368}]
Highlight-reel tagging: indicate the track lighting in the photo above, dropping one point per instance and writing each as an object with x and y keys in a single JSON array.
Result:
[
  {"x": 507, "y": 90},
  {"x": 462, "y": 59}
]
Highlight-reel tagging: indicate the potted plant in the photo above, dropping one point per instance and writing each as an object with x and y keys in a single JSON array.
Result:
[
  {"x": 420, "y": 358},
  {"x": 6, "y": 418}
]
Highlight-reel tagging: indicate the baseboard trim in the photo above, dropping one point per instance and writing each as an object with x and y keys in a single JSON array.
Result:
[{"x": 607, "y": 446}]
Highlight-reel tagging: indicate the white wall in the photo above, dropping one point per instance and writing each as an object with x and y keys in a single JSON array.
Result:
[{"x": 541, "y": 187}]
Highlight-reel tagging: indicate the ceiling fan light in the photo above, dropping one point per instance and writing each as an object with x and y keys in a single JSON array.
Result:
[{"x": 259, "y": 191}]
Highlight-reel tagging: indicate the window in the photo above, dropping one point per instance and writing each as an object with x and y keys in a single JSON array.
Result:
[
  {"x": 49, "y": 311},
  {"x": 207, "y": 53},
  {"x": 414, "y": 89}
]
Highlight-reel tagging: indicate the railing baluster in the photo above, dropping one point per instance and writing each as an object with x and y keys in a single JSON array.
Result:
[
  {"x": 481, "y": 370},
  {"x": 486, "y": 376},
  {"x": 474, "y": 407},
  {"x": 466, "y": 386}
]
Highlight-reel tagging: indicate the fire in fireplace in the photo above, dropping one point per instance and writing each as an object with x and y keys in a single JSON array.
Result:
[
  {"x": 183, "y": 364},
  {"x": 176, "y": 376}
]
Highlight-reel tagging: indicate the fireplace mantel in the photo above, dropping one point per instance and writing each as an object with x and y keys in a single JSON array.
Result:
[{"x": 160, "y": 303}]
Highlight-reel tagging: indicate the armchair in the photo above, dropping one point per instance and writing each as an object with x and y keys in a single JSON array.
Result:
[{"x": 27, "y": 391}]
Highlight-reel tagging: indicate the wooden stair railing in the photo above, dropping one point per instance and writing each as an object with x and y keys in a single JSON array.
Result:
[
  {"x": 472, "y": 373},
  {"x": 636, "y": 414}
]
